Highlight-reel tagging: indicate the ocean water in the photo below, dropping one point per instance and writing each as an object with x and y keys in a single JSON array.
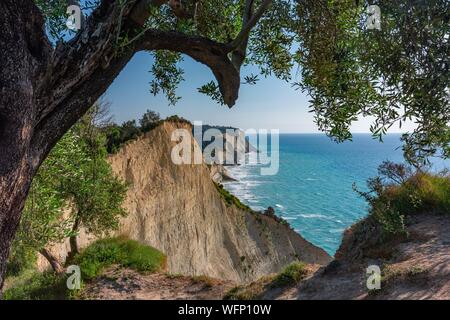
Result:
[{"x": 313, "y": 187}]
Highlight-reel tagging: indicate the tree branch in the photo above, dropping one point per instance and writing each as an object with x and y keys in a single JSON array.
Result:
[
  {"x": 140, "y": 12},
  {"x": 210, "y": 53},
  {"x": 245, "y": 31},
  {"x": 82, "y": 70},
  {"x": 82, "y": 96},
  {"x": 239, "y": 54}
]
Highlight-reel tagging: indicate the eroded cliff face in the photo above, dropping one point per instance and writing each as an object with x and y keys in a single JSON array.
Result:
[{"x": 178, "y": 210}]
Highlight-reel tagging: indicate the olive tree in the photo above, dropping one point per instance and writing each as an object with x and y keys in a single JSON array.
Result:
[{"x": 49, "y": 78}]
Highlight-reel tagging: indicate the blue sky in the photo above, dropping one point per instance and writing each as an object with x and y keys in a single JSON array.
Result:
[{"x": 270, "y": 104}]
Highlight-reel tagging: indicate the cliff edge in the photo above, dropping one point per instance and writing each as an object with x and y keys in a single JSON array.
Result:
[{"x": 178, "y": 210}]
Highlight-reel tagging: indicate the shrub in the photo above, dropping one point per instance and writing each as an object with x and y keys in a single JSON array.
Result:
[
  {"x": 150, "y": 119},
  {"x": 39, "y": 286},
  {"x": 291, "y": 274},
  {"x": 205, "y": 280},
  {"x": 121, "y": 251},
  {"x": 253, "y": 291},
  {"x": 20, "y": 259},
  {"x": 398, "y": 192},
  {"x": 231, "y": 199}
]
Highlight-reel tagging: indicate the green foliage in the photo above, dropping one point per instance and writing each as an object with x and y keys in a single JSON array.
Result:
[
  {"x": 21, "y": 259},
  {"x": 324, "y": 47},
  {"x": 120, "y": 251},
  {"x": 291, "y": 274},
  {"x": 394, "y": 74},
  {"x": 399, "y": 191},
  {"x": 211, "y": 89},
  {"x": 117, "y": 136},
  {"x": 39, "y": 286},
  {"x": 75, "y": 175},
  {"x": 150, "y": 119},
  {"x": 42, "y": 220},
  {"x": 96, "y": 193},
  {"x": 167, "y": 76},
  {"x": 231, "y": 199},
  {"x": 177, "y": 119}
]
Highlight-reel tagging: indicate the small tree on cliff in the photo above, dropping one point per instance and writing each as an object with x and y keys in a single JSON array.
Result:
[
  {"x": 149, "y": 120},
  {"x": 97, "y": 195},
  {"x": 77, "y": 178},
  {"x": 398, "y": 73},
  {"x": 43, "y": 222}
]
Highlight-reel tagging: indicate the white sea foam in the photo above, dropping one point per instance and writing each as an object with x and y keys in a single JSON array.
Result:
[{"x": 313, "y": 215}]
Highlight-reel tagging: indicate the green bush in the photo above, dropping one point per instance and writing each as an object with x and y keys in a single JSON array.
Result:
[
  {"x": 399, "y": 191},
  {"x": 231, "y": 199},
  {"x": 20, "y": 259},
  {"x": 120, "y": 251},
  {"x": 291, "y": 274},
  {"x": 39, "y": 286}
]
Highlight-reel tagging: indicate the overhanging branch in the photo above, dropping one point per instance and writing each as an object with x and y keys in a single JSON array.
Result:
[{"x": 210, "y": 53}]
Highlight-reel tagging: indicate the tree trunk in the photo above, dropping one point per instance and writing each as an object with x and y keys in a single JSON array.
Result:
[
  {"x": 73, "y": 246},
  {"x": 20, "y": 52},
  {"x": 73, "y": 240},
  {"x": 56, "y": 266},
  {"x": 14, "y": 186},
  {"x": 45, "y": 90}
]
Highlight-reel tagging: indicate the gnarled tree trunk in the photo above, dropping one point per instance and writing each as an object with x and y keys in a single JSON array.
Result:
[
  {"x": 19, "y": 65},
  {"x": 73, "y": 240},
  {"x": 54, "y": 263},
  {"x": 44, "y": 90}
]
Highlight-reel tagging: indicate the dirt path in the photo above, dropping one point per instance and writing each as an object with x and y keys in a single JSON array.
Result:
[
  {"x": 126, "y": 284},
  {"x": 419, "y": 269}
]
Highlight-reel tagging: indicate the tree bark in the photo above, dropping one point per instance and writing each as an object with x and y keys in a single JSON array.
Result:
[
  {"x": 45, "y": 90},
  {"x": 73, "y": 240},
  {"x": 22, "y": 51},
  {"x": 56, "y": 266},
  {"x": 14, "y": 187}
]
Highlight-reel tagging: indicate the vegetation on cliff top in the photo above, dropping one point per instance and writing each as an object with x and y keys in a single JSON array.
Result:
[
  {"x": 118, "y": 135},
  {"x": 231, "y": 199},
  {"x": 33, "y": 285},
  {"x": 74, "y": 188},
  {"x": 400, "y": 190},
  {"x": 291, "y": 275}
]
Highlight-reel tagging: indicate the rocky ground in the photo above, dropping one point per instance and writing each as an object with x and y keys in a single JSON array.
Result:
[
  {"x": 126, "y": 284},
  {"x": 417, "y": 267},
  {"x": 414, "y": 267}
]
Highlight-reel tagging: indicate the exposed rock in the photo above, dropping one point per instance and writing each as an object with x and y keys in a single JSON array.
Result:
[
  {"x": 235, "y": 143},
  {"x": 126, "y": 284},
  {"x": 178, "y": 210},
  {"x": 220, "y": 174},
  {"x": 416, "y": 267}
]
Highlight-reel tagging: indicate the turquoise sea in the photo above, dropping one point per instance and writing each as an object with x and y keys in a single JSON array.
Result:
[{"x": 313, "y": 187}]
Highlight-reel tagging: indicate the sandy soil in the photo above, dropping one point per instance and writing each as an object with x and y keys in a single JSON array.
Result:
[
  {"x": 418, "y": 269},
  {"x": 126, "y": 284}
]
